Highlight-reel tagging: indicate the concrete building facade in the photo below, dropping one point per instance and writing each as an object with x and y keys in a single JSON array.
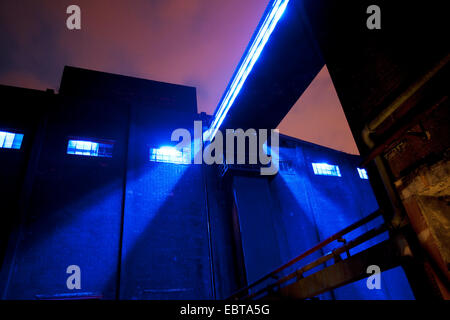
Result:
[{"x": 145, "y": 228}]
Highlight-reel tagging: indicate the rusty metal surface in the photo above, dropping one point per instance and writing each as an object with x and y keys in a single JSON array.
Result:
[
  {"x": 338, "y": 236},
  {"x": 385, "y": 255}
]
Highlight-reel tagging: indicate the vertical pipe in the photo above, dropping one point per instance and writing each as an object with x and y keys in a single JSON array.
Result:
[
  {"x": 124, "y": 192},
  {"x": 208, "y": 220}
]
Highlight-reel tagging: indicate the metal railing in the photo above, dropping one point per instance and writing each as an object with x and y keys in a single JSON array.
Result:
[{"x": 298, "y": 274}]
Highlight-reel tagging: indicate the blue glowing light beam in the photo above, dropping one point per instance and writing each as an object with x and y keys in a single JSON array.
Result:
[{"x": 262, "y": 36}]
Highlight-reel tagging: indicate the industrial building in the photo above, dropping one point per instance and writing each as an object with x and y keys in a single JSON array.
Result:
[
  {"x": 143, "y": 227},
  {"x": 87, "y": 178}
]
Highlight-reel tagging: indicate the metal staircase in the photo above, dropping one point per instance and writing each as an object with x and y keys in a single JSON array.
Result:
[{"x": 338, "y": 271}]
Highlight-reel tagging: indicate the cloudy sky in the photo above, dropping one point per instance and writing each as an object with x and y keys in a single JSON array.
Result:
[{"x": 192, "y": 42}]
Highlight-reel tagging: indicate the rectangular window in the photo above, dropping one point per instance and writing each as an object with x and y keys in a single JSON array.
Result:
[
  {"x": 9, "y": 140},
  {"x": 90, "y": 148},
  {"x": 363, "y": 173},
  {"x": 170, "y": 155},
  {"x": 324, "y": 169}
]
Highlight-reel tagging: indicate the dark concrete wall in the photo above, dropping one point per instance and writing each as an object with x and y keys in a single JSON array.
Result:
[
  {"x": 165, "y": 246},
  {"x": 77, "y": 204},
  {"x": 302, "y": 209},
  {"x": 22, "y": 112},
  {"x": 260, "y": 242},
  {"x": 225, "y": 249},
  {"x": 157, "y": 95},
  {"x": 166, "y": 252},
  {"x": 74, "y": 212}
]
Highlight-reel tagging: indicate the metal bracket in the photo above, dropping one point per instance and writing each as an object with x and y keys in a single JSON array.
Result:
[{"x": 344, "y": 241}]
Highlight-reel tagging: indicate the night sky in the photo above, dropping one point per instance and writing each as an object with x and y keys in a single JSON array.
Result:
[{"x": 192, "y": 42}]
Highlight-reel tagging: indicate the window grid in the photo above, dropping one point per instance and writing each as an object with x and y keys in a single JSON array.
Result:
[
  {"x": 363, "y": 174},
  {"x": 170, "y": 155},
  {"x": 324, "y": 169},
  {"x": 90, "y": 148},
  {"x": 9, "y": 140}
]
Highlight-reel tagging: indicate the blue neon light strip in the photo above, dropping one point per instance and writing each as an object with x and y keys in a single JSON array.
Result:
[
  {"x": 10, "y": 140},
  {"x": 263, "y": 34}
]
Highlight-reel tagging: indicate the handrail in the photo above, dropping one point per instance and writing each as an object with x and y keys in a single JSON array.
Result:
[
  {"x": 299, "y": 273},
  {"x": 308, "y": 252}
]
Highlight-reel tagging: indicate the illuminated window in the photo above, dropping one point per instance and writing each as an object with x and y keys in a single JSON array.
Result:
[
  {"x": 324, "y": 169},
  {"x": 90, "y": 148},
  {"x": 9, "y": 140},
  {"x": 363, "y": 173},
  {"x": 170, "y": 155}
]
